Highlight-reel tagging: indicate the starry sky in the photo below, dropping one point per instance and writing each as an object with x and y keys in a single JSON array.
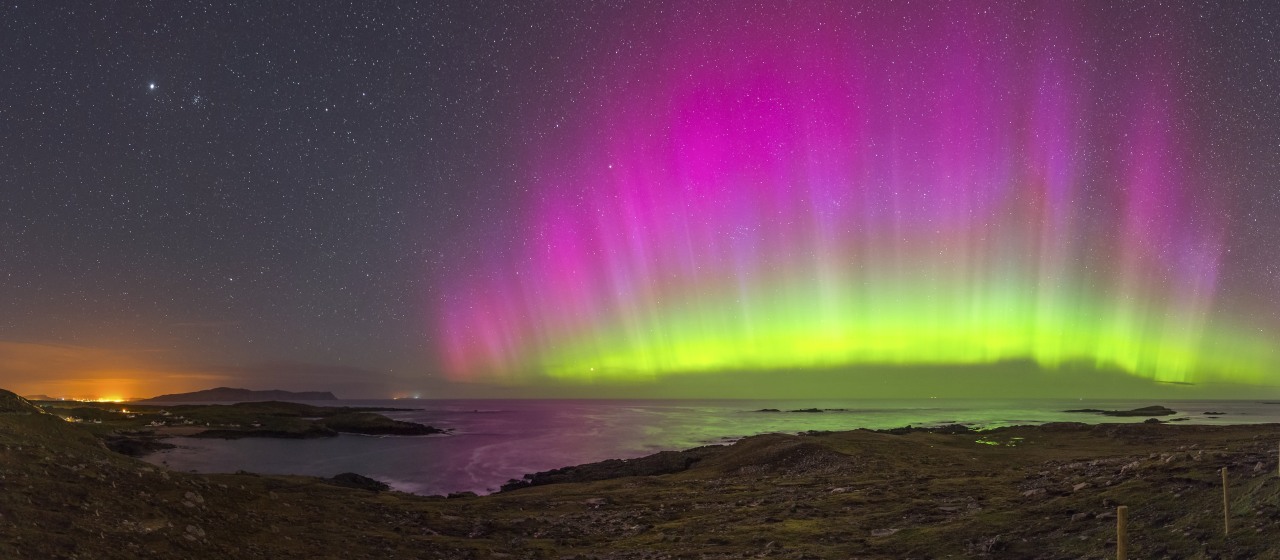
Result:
[{"x": 697, "y": 198}]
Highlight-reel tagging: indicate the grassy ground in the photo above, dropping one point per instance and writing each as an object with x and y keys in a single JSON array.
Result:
[{"x": 1026, "y": 492}]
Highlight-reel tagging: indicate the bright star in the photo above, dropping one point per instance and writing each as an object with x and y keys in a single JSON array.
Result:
[{"x": 151, "y": 85}]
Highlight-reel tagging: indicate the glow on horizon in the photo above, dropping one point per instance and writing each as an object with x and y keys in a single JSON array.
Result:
[{"x": 814, "y": 188}]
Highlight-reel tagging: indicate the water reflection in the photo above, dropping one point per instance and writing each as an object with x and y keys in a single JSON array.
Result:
[{"x": 494, "y": 441}]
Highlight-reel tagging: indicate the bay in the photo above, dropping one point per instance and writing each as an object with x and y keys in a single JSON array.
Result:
[{"x": 493, "y": 441}]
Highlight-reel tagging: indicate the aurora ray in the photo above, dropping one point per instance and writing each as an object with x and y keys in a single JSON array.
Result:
[{"x": 816, "y": 186}]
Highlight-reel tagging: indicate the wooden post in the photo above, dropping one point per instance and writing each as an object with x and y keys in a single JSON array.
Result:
[
  {"x": 1226, "y": 514},
  {"x": 1122, "y": 532}
]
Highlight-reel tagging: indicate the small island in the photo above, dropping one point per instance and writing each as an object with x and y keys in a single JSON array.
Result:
[
  {"x": 804, "y": 410},
  {"x": 1144, "y": 411}
]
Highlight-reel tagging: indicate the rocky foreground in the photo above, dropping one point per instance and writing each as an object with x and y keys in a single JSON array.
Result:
[{"x": 1025, "y": 492}]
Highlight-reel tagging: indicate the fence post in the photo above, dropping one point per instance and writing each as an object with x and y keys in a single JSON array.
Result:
[
  {"x": 1122, "y": 532},
  {"x": 1226, "y": 513}
]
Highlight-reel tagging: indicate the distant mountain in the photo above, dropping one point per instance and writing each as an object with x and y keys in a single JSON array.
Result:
[
  {"x": 39, "y": 398},
  {"x": 228, "y": 394}
]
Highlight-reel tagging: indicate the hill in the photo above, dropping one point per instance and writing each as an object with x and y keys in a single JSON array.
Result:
[{"x": 228, "y": 394}]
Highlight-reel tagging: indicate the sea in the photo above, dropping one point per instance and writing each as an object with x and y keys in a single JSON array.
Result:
[{"x": 494, "y": 441}]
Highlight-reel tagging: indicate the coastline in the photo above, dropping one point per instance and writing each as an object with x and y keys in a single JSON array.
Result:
[
  {"x": 1029, "y": 491},
  {"x": 497, "y": 441},
  {"x": 142, "y": 426}
]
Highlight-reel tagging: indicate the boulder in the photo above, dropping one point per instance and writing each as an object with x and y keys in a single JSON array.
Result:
[{"x": 353, "y": 480}]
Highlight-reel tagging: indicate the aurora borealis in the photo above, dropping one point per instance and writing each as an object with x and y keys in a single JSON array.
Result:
[
  {"x": 821, "y": 185},
  {"x": 642, "y": 198}
]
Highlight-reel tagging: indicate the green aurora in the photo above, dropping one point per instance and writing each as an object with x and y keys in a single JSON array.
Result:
[{"x": 772, "y": 210}]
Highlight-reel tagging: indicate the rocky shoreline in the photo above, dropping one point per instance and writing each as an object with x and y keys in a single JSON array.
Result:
[
  {"x": 137, "y": 429},
  {"x": 1036, "y": 492}
]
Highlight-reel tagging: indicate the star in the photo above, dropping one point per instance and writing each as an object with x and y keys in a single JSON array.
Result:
[{"x": 151, "y": 86}]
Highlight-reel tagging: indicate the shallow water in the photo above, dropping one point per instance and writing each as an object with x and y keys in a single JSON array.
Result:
[{"x": 497, "y": 440}]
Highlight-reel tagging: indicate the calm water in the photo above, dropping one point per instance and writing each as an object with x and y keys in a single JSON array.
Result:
[{"x": 497, "y": 440}]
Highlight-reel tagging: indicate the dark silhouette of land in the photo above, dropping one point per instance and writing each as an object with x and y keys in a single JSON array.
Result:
[
  {"x": 1042, "y": 492},
  {"x": 233, "y": 395},
  {"x": 1147, "y": 411},
  {"x": 134, "y": 428}
]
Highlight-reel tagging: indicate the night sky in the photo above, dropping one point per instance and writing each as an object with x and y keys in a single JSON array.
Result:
[{"x": 704, "y": 198}]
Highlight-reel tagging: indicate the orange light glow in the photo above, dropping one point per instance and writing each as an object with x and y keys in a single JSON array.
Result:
[{"x": 95, "y": 373}]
